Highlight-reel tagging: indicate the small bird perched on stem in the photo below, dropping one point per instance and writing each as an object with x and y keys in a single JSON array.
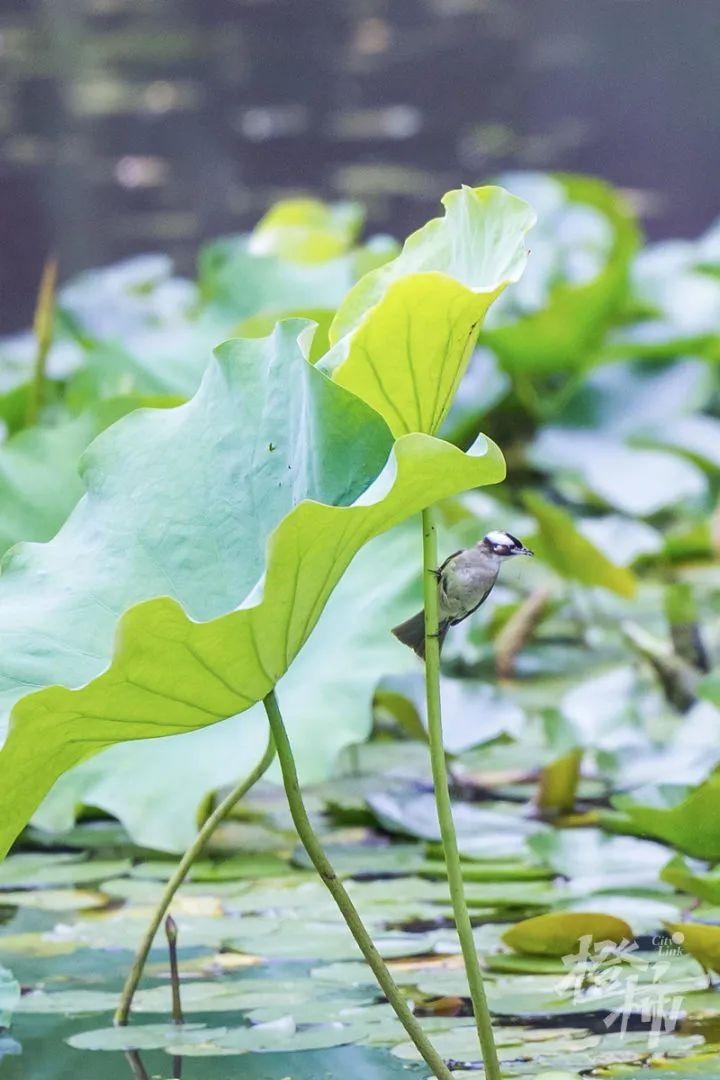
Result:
[{"x": 465, "y": 580}]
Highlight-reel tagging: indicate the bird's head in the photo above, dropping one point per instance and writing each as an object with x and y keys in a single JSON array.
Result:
[{"x": 504, "y": 544}]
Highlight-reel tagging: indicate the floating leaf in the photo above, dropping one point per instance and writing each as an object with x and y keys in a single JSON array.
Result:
[
  {"x": 594, "y": 862},
  {"x": 142, "y": 1036},
  {"x": 482, "y": 832},
  {"x": 559, "y": 933},
  {"x": 702, "y": 942},
  {"x": 32, "y": 870}
]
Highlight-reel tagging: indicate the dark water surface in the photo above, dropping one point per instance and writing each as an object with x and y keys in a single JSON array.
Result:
[{"x": 129, "y": 125}]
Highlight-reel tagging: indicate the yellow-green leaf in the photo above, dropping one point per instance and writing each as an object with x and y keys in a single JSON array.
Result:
[
  {"x": 701, "y": 941},
  {"x": 559, "y": 933},
  {"x": 402, "y": 338}
]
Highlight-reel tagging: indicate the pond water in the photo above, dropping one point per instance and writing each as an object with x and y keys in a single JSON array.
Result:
[{"x": 130, "y": 125}]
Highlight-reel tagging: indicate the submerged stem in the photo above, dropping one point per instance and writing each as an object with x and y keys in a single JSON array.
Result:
[
  {"x": 347, "y": 909},
  {"x": 218, "y": 815},
  {"x": 442, "y": 799}
]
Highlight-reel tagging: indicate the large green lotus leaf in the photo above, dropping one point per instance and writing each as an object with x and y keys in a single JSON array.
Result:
[
  {"x": 587, "y": 238},
  {"x": 224, "y": 485},
  {"x": 181, "y": 503},
  {"x": 39, "y": 478},
  {"x": 691, "y": 825},
  {"x": 156, "y": 787},
  {"x": 402, "y": 338}
]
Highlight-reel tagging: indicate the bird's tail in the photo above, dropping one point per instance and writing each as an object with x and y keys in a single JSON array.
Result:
[{"x": 412, "y": 633}]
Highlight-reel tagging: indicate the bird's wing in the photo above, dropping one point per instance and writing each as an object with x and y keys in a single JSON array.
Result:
[
  {"x": 483, "y": 598},
  {"x": 449, "y": 559}
]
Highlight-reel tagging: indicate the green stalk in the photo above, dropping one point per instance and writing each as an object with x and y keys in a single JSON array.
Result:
[
  {"x": 337, "y": 890},
  {"x": 43, "y": 323},
  {"x": 218, "y": 815},
  {"x": 442, "y": 799}
]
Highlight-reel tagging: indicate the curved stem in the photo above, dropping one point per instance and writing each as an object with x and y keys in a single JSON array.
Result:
[
  {"x": 347, "y": 909},
  {"x": 218, "y": 815},
  {"x": 442, "y": 799}
]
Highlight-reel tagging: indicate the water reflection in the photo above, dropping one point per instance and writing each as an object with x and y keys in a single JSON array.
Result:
[{"x": 130, "y": 125}]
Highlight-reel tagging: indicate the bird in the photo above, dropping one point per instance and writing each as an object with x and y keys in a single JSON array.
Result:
[{"x": 465, "y": 580}]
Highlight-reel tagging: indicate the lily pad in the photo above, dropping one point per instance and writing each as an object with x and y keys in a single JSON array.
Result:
[
  {"x": 701, "y": 941},
  {"x": 560, "y": 933}
]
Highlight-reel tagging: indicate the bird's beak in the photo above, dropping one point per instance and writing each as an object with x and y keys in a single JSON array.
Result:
[{"x": 525, "y": 551}]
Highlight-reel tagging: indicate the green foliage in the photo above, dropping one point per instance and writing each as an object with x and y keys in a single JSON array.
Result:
[
  {"x": 179, "y": 531},
  {"x": 307, "y": 230},
  {"x": 402, "y": 338},
  {"x": 561, "y": 933},
  {"x": 702, "y": 942},
  {"x": 691, "y": 825},
  {"x": 566, "y": 329},
  {"x": 705, "y": 885},
  {"x": 294, "y": 472},
  {"x": 571, "y": 554}
]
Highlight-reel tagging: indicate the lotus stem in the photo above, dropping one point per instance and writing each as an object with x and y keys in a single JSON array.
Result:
[
  {"x": 337, "y": 890},
  {"x": 43, "y": 325},
  {"x": 518, "y": 631},
  {"x": 218, "y": 815},
  {"x": 171, "y": 932},
  {"x": 442, "y": 799}
]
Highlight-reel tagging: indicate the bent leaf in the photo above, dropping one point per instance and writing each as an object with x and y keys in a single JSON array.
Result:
[
  {"x": 560, "y": 932},
  {"x": 157, "y": 786},
  {"x": 171, "y": 674},
  {"x": 403, "y": 336}
]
